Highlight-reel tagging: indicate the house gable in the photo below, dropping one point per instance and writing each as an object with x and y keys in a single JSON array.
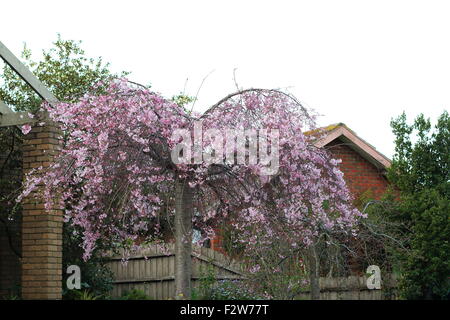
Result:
[
  {"x": 363, "y": 166},
  {"x": 349, "y": 137}
]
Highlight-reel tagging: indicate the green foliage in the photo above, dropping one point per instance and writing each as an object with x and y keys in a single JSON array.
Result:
[
  {"x": 134, "y": 294},
  {"x": 209, "y": 288},
  {"x": 230, "y": 290},
  {"x": 425, "y": 163},
  {"x": 64, "y": 70},
  {"x": 88, "y": 294},
  {"x": 207, "y": 280},
  {"x": 426, "y": 267},
  {"x": 11, "y": 297},
  {"x": 95, "y": 275},
  {"x": 421, "y": 171},
  {"x": 13, "y": 293},
  {"x": 182, "y": 100},
  {"x": 82, "y": 295}
]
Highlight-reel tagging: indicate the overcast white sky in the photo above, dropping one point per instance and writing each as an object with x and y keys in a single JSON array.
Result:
[{"x": 357, "y": 62}]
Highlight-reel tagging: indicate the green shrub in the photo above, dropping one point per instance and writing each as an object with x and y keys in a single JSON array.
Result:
[
  {"x": 82, "y": 295},
  {"x": 231, "y": 290},
  {"x": 11, "y": 297},
  {"x": 209, "y": 288},
  {"x": 134, "y": 294}
]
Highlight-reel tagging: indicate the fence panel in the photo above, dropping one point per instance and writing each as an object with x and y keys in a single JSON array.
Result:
[
  {"x": 153, "y": 270},
  {"x": 353, "y": 288}
]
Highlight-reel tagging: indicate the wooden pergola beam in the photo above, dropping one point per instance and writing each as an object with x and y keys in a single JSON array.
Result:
[
  {"x": 15, "y": 119},
  {"x": 26, "y": 74},
  {"x": 7, "y": 116},
  {"x": 10, "y": 118},
  {"x": 4, "y": 109}
]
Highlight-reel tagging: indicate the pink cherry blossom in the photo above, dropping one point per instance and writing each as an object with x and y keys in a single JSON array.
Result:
[
  {"x": 116, "y": 179},
  {"x": 26, "y": 128}
]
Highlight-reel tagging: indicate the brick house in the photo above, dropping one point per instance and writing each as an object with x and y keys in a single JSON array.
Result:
[{"x": 363, "y": 166}]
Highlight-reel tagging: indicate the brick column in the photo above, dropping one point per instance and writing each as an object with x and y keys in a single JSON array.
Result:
[{"x": 41, "y": 228}]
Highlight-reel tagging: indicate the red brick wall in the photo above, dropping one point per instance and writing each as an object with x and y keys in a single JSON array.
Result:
[{"x": 361, "y": 176}]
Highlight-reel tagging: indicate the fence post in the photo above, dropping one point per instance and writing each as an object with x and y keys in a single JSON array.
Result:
[{"x": 41, "y": 228}]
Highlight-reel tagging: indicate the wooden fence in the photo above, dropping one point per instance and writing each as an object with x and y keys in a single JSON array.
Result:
[
  {"x": 354, "y": 288},
  {"x": 152, "y": 270}
]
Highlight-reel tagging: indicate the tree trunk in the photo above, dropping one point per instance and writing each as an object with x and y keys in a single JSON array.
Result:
[
  {"x": 314, "y": 274},
  {"x": 183, "y": 240}
]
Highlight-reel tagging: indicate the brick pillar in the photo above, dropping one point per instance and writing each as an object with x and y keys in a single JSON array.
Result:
[{"x": 41, "y": 228}]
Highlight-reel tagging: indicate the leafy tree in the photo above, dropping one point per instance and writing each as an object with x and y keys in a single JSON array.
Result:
[
  {"x": 64, "y": 70},
  {"x": 421, "y": 171}
]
